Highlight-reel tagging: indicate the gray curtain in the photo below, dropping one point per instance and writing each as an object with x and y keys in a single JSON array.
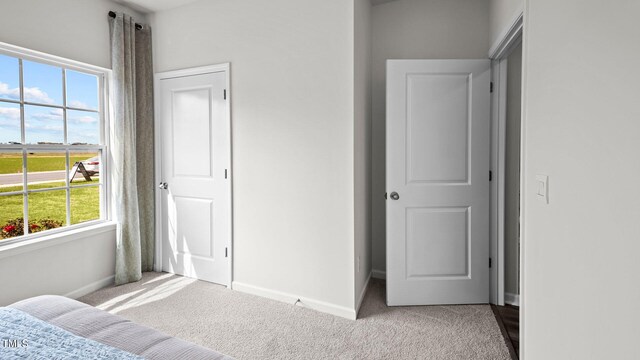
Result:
[{"x": 131, "y": 143}]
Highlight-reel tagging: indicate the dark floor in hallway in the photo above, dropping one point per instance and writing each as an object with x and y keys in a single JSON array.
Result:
[{"x": 508, "y": 318}]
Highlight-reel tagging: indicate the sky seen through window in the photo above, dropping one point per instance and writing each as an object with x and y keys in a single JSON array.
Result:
[{"x": 44, "y": 85}]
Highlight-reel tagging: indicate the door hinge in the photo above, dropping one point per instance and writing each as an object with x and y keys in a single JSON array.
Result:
[
  {"x": 489, "y": 262},
  {"x": 225, "y": 94},
  {"x": 226, "y": 252},
  {"x": 491, "y": 86},
  {"x": 225, "y": 173},
  {"x": 490, "y": 175}
]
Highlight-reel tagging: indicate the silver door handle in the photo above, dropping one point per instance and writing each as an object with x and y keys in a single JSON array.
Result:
[
  {"x": 163, "y": 186},
  {"x": 395, "y": 196}
]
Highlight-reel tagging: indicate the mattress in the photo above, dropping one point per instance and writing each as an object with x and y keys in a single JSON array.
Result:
[{"x": 98, "y": 325}]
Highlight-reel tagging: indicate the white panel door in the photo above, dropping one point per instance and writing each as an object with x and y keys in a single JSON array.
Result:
[
  {"x": 438, "y": 157},
  {"x": 195, "y": 184}
]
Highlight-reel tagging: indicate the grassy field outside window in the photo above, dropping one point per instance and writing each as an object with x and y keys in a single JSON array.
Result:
[{"x": 84, "y": 201}]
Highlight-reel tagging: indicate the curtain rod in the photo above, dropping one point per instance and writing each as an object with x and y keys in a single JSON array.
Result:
[{"x": 113, "y": 15}]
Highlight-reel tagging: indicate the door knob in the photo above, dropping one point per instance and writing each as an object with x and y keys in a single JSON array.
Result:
[
  {"x": 163, "y": 186},
  {"x": 395, "y": 196}
]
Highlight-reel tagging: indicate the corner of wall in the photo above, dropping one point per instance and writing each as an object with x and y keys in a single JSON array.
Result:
[{"x": 362, "y": 147}]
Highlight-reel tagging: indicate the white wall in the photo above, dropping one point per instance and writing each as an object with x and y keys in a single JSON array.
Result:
[
  {"x": 73, "y": 29},
  {"x": 582, "y": 129},
  {"x": 292, "y": 88},
  {"x": 503, "y": 14},
  {"x": 362, "y": 104},
  {"x": 77, "y": 30},
  {"x": 416, "y": 29},
  {"x": 512, "y": 172},
  {"x": 73, "y": 266}
]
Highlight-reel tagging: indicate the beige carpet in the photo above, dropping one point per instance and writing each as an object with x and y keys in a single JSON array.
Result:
[{"x": 250, "y": 327}]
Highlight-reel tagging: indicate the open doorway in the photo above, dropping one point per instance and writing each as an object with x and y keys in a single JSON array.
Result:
[
  {"x": 508, "y": 313},
  {"x": 507, "y": 78},
  {"x": 512, "y": 179}
]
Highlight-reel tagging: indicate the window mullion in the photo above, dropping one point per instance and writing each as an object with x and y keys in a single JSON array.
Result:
[
  {"x": 25, "y": 196},
  {"x": 67, "y": 184},
  {"x": 21, "y": 85},
  {"x": 66, "y": 142},
  {"x": 64, "y": 106},
  {"x": 59, "y": 188},
  {"x": 23, "y": 129}
]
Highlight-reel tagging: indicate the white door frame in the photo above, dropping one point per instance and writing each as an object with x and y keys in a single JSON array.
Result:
[
  {"x": 498, "y": 120},
  {"x": 500, "y": 51},
  {"x": 499, "y": 54},
  {"x": 225, "y": 67}
]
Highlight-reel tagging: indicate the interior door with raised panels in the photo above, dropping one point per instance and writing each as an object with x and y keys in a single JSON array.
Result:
[
  {"x": 195, "y": 186},
  {"x": 438, "y": 159}
]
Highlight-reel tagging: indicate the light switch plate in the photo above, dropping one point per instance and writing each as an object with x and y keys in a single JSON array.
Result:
[{"x": 542, "y": 188}]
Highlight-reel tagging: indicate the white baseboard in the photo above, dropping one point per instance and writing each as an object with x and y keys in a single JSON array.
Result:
[
  {"x": 97, "y": 285},
  {"x": 512, "y": 299},
  {"x": 379, "y": 274},
  {"x": 362, "y": 294},
  {"x": 292, "y": 299}
]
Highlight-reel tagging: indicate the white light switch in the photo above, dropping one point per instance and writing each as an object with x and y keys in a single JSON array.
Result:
[{"x": 542, "y": 188}]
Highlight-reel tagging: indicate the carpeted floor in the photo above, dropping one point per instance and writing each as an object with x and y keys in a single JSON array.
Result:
[{"x": 250, "y": 327}]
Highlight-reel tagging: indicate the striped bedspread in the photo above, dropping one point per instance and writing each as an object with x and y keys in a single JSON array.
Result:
[{"x": 23, "y": 336}]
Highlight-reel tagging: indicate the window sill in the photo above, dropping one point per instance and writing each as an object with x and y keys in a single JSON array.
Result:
[{"x": 62, "y": 237}]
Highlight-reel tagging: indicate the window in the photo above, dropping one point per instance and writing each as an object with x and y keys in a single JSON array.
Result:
[{"x": 52, "y": 145}]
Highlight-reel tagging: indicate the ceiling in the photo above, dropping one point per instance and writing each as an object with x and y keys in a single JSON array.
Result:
[
  {"x": 150, "y": 6},
  {"x": 378, "y": 2}
]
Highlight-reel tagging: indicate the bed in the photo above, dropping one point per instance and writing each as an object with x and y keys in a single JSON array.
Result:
[{"x": 67, "y": 329}]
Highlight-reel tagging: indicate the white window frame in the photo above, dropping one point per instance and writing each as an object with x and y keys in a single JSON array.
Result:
[{"x": 104, "y": 77}]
